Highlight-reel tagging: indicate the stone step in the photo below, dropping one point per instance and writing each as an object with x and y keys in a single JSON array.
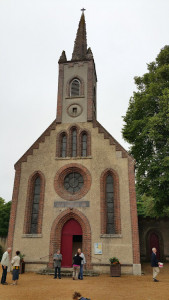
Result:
[{"x": 67, "y": 272}]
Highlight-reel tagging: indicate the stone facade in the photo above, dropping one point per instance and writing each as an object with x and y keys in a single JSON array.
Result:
[{"x": 104, "y": 155}]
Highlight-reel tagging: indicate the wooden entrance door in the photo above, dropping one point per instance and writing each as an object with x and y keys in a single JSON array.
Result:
[
  {"x": 154, "y": 243},
  {"x": 70, "y": 229}
]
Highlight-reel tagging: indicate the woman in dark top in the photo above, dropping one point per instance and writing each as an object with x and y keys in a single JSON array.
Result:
[{"x": 76, "y": 265}]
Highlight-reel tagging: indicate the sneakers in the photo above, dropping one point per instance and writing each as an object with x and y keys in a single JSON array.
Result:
[{"x": 155, "y": 280}]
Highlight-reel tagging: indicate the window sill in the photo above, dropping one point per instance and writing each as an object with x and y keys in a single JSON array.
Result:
[
  {"x": 111, "y": 236},
  {"x": 75, "y": 97},
  {"x": 74, "y": 158},
  {"x": 31, "y": 235}
]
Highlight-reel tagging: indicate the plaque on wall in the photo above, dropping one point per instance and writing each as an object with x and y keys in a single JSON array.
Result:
[
  {"x": 71, "y": 204},
  {"x": 97, "y": 248}
]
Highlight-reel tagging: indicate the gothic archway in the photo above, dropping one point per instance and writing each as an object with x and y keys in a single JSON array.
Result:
[
  {"x": 154, "y": 239},
  {"x": 56, "y": 231}
]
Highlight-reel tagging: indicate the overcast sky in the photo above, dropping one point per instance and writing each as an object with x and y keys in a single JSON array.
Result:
[{"x": 124, "y": 36}]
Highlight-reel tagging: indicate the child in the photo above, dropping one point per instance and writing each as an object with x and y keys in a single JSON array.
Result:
[
  {"x": 77, "y": 296},
  {"x": 16, "y": 264}
]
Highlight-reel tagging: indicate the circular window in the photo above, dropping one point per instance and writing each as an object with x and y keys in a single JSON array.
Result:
[
  {"x": 73, "y": 182},
  {"x": 74, "y": 110}
]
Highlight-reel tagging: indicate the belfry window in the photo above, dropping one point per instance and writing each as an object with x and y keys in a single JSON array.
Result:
[
  {"x": 35, "y": 205},
  {"x": 74, "y": 143},
  {"x": 84, "y": 145},
  {"x": 63, "y": 145},
  {"x": 75, "y": 88},
  {"x": 110, "y": 205}
]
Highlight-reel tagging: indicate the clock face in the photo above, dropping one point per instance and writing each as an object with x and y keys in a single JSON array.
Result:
[
  {"x": 74, "y": 110},
  {"x": 73, "y": 182}
]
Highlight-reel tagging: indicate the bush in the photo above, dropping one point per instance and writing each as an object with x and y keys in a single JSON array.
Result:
[{"x": 114, "y": 260}]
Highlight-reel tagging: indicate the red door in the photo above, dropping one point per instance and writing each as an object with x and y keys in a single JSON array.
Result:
[
  {"x": 154, "y": 243},
  {"x": 71, "y": 227}
]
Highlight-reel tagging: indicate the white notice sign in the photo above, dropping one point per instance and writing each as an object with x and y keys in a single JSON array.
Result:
[{"x": 97, "y": 248}]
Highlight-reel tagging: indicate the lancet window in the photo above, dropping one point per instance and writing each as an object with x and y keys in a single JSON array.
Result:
[
  {"x": 75, "y": 88},
  {"x": 35, "y": 205},
  {"x": 110, "y": 204}
]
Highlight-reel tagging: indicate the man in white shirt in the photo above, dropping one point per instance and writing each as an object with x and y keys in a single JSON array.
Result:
[
  {"x": 80, "y": 276},
  {"x": 5, "y": 265}
]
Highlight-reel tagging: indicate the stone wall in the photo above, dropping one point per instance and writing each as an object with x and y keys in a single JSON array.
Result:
[{"x": 43, "y": 159}]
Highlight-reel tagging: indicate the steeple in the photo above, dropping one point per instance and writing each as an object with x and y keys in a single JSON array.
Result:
[
  {"x": 80, "y": 45},
  {"x": 77, "y": 82}
]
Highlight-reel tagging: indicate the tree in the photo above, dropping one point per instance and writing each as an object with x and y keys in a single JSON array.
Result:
[
  {"x": 146, "y": 128},
  {"x": 4, "y": 217}
]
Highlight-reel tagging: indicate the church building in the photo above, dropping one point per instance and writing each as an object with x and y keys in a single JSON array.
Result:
[{"x": 75, "y": 186}]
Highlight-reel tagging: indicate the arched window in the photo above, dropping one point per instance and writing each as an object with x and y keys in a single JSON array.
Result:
[
  {"x": 75, "y": 88},
  {"x": 110, "y": 205},
  {"x": 63, "y": 145},
  {"x": 35, "y": 205},
  {"x": 84, "y": 145},
  {"x": 74, "y": 142},
  {"x": 110, "y": 202}
]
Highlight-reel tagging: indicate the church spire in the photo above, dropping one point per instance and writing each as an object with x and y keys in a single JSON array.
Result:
[{"x": 80, "y": 45}]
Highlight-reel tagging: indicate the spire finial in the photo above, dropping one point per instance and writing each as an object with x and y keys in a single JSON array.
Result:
[
  {"x": 83, "y": 10},
  {"x": 80, "y": 45}
]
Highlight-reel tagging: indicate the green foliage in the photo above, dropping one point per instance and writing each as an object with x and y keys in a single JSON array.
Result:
[
  {"x": 146, "y": 207},
  {"x": 114, "y": 260},
  {"x": 4, "y": 217},
  {"x": 147, "y": 130},
  {"x": 21, "y": 256}
]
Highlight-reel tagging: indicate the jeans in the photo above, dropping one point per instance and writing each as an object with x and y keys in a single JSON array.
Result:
[
  {"x": 4, "y": 274},
  {"x": 80, "y": 276},
  {"x": 57, "y": 270}
]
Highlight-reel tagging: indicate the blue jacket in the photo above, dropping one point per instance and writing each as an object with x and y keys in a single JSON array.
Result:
[{"x": 154, "y": 260}]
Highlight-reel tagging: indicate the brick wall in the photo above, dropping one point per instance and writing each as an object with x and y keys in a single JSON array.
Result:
[
  {"x": 14, "y": 207},
  {"x": 133, "y": 211}
]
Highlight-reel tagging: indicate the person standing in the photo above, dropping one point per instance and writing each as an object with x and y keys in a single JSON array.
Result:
[
  {"x": 5, "y": 265},
  {"x": 155, "y": 264},
  {"x": 16, "y": 266},
  {"x": 76, "y": 265},
  {"x": 57, "y": 263},
  {"x": 83, "y": 262}
]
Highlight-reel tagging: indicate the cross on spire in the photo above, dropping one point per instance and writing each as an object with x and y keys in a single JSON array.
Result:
[{"x": 83, "y": 9}]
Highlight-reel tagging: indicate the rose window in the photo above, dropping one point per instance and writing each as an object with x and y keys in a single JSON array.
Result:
[{"x": 73, "y": 182}]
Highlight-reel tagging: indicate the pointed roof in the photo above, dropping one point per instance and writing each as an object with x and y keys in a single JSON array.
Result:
[
  {"x": 80, "y": 45},
  {"x": 63, "y": 58}
]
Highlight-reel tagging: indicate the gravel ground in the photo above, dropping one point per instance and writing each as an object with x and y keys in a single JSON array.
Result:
[{"x": 43, "y": 287}]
